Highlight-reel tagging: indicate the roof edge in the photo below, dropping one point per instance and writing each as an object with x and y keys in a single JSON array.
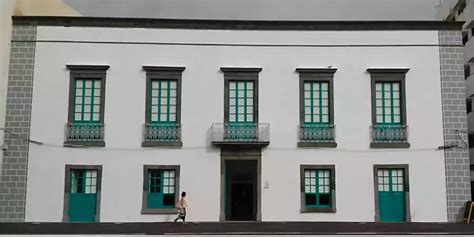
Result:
[{"x": 71, "y": 21}]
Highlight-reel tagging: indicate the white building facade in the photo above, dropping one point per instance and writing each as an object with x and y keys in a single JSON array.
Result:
[{"x": 256, "y": 121}]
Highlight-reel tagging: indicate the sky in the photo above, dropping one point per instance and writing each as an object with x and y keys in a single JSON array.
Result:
[{"x": 262, "y": 9}]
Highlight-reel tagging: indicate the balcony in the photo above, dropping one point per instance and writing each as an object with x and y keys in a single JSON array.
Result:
[
  {"x": 317, "y": 135},
  {"x": 162, "y": 135},
  {"x": 389, "y": 136},
  {"x": 84, "y": 134},
  {"x": 240, "y": 134}
]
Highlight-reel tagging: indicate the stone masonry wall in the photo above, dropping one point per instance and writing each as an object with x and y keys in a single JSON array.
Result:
[
  {"x": 453, "y": 98},
  {"x": 17, "y": 124}
]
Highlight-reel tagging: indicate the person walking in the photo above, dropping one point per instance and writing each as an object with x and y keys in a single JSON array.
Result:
[{"x": 182, "y": 208}]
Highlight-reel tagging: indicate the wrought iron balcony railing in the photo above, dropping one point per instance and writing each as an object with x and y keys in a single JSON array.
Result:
[
  {"x": 389, "y": 133},
  {"x": 223, "y": 133},
  {"x": 84, "y": 132},
  {"x": 170, "y": 132},
  {"x": 318, "y": 133}
]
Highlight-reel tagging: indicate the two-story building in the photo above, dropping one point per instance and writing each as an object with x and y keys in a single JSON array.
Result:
[{"x": 110, "y": 119}]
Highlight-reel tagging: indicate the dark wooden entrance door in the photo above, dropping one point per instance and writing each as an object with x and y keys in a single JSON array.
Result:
[{"x": 241, "y": 190}]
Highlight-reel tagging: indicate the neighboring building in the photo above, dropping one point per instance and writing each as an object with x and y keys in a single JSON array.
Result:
[
  {"x": 462, "y": 10},
  {"x": 124, "y": 114}
]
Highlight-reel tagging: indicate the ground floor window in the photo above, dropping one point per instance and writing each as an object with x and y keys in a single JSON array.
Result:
[
  {"x": 160, "y": 189},
  {"x": 318, "y": 188}
]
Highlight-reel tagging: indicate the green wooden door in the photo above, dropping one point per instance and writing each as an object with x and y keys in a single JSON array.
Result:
[
  {"x": 241, "y": 125},
  {"x": 391, "y": 195},
  {"x": 83, "y": 195}
]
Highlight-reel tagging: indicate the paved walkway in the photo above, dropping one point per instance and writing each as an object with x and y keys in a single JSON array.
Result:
[{"x": 240, "y": 228}]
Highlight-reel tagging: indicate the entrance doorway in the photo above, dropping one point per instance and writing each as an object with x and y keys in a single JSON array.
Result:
[
  {"x": 391, "y": 196},
  {"x": 240, "y": 190}
]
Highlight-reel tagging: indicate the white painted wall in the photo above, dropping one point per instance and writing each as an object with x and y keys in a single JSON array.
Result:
[{"x": 202, "y": 104}]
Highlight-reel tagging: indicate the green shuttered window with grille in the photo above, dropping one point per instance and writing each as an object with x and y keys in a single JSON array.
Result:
[
  {"x": 389, "y": 125},
  {"x": 241, "y": 102},
  {"x": 87, "y": 100},
  {"x": 85, "y": 126},
  {"x": 316, "y": 103},
  {"x": 387, "y": 102},
  {"x": 163, "y": 101},
  {"x": 317, "y": 188}
]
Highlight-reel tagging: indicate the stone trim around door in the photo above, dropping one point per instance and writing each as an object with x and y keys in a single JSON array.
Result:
[
  {"x": 406, "y": 182},
  {"x": 14, "y": 170},
  {"x": 67, "y": 188},
  {"x": 234, "y": 154}
]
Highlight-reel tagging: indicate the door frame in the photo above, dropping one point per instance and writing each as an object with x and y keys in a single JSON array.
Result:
[
  {"x": 67, "y": 189},
  {"x": 406, "y": 188},
  {"x": 246, "y": 154}
]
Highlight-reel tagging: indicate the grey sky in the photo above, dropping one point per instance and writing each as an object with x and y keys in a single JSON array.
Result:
[{"x": 262, "y": 9}]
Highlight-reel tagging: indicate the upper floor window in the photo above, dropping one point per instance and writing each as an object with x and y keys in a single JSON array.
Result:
[
  {"x": 85, "y": 125},
  {"x": 316, "y": 107},
  {"x": 241, "y": 104},
  {"x": 389, "y": 128},
  {"x": 163, "y": 106}
]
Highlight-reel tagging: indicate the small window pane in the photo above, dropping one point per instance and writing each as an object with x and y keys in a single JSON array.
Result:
[
  {"x": 96, "y": 117},
  {"x": 172, "y": 117},
  {"x": 173, "y": 84}
]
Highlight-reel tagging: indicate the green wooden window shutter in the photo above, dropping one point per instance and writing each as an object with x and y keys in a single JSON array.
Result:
[
  {"x": 317, "y": 188},
  {"x": 316, "y": 102},
  {"x": 387, "y": 102},
  {"x": 161, "y": 188},
  {"x": 163, "y": 101},
  {"x": 87, "y": 99}
]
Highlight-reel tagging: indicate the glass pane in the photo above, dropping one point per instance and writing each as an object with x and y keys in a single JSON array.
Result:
[
  {"x": 173, "y": 84},
  {"x": 172, "y": 117},
  {"x": 249, "y": 85},
  {"x": 96, "y": 117}
]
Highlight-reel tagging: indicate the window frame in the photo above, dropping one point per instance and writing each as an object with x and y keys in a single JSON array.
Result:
[
  {"x": 389, "y": 75},
  {"x": 303, "y": 207},
  {"x": 316, "y": 75},
  {"x": 145, "y": 209},
  {"x": 84, "y": 72},
  {"x": 163, "y": 73},
  {"x": 67, "y": 188},
  {"x": 241, "y": 74}
]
